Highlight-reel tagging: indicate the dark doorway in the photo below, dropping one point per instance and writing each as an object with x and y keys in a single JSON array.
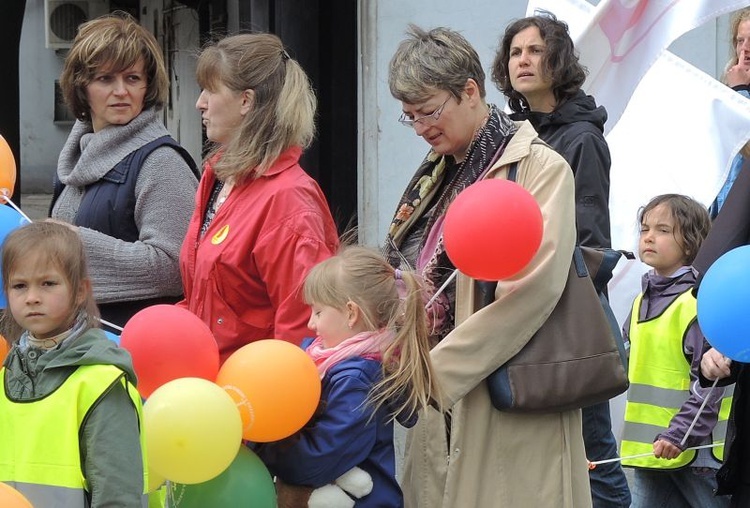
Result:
[
  {"x": 322, "y": 36},
  {"x": 10, "y": 26}
]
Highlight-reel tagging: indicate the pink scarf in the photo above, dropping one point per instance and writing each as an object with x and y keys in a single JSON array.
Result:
[{"x": 365, "y": 345}]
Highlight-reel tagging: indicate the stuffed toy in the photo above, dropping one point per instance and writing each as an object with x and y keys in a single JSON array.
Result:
[{"x": 355, "y": 483}]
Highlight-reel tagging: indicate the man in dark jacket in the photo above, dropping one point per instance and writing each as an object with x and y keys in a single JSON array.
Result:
[
  {"x": 537, "y": 69},
  {"x": 731, "y": 229}
]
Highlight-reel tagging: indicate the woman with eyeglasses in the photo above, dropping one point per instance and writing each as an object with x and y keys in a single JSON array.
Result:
[{"x": 475, "y": 455}]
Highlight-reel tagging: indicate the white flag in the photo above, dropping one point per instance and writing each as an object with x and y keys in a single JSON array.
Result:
[
  {"x": 671, "y": 139},
  {"x": 624, "y": 38}
]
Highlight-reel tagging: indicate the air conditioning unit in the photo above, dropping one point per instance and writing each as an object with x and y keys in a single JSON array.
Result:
[{"x": 62, "y": 18}]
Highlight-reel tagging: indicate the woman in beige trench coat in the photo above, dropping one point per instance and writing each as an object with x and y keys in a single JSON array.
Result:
[{"x": 475, "y": 455}]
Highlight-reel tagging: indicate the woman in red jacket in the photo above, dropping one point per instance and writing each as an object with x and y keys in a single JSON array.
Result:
[{"x": 260, "y": 221}]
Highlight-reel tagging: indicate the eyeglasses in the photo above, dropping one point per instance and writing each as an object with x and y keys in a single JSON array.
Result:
[{"x": 425, "y": 119}]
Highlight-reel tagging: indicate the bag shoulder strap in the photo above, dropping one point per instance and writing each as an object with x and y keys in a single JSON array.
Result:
[{"x": 598, "y": 262}]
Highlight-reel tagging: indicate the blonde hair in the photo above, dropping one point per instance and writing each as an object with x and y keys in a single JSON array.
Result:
[
  {"x": 283, "y": 110},
  {"x": 734, "y": 27},
  {"x": 362, "y": 276},
  {"x": 114, "y": 42},
  {"x": 48, "y": 244}
]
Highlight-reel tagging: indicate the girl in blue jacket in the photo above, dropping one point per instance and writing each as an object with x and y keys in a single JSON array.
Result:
[{"x": 372, "y": 353}]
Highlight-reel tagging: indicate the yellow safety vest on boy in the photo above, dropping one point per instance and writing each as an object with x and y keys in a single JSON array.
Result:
[
  {"x": 659, "y": 377},
  {"x": 41, "y": 456}
]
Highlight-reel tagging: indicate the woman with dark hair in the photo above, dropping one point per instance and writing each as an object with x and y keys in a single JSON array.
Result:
[{"x": 537, "y": 69}]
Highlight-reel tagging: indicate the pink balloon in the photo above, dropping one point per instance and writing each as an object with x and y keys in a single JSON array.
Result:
[{"x": 492, "y": 229}]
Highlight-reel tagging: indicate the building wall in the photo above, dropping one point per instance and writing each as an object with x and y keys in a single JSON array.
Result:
[
  {"x": 41, "y": 138},
  {"x": 176, "y": 28}
]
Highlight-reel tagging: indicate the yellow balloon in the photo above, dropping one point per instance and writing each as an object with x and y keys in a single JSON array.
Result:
[
  {"x": 155, "y": 480},
  {"x": 7, "y": 168},
  {"x": 193, "y": 430}
]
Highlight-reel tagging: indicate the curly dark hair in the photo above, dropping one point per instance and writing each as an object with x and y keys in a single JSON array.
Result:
[{"x": 560, "y": 61}]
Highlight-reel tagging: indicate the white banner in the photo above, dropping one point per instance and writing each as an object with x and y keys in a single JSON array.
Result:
[
  {"x": 671, "y": 139},
  {"x": 624, "y": 38}
]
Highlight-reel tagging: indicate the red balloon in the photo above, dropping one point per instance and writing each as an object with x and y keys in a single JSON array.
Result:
[
  {"x": 492, "y": 229},
  {"x": 169, "y": 342}
]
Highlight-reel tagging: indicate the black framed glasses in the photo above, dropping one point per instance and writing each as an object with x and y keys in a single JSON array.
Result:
[{"x": 425, "y": 119}]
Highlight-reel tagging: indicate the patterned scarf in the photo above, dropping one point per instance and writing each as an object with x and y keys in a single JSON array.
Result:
[
  {"x": 366, "y": 345},
  {"x": 489, "y": 143}
]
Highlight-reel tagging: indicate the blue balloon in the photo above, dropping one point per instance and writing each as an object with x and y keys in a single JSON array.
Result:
[
  {"x": 10, "y": 219},
  {"x": 112, "y": 336},
  {"x": 724, "y": 304}
]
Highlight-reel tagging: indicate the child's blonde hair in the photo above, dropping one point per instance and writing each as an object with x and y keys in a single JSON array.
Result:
[
  {"x": 362, "y": 276},
  {"x": 48, "y": 244}
]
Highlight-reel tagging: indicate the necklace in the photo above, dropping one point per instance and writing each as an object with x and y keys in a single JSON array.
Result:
[{"x": 226, "y": 189}]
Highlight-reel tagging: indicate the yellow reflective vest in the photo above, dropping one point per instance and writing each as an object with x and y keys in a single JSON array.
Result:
[
  {"x": 659, "y": 377},
  {"x": 39, "y": 439}
]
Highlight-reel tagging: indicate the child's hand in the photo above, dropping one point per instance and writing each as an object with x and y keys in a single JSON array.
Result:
[
  {"x": 665, "y": 450},
  {"x": 715, "y": 365}
]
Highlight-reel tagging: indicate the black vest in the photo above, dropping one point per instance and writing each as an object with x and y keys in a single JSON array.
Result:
[{"x": 108, "y": 206}]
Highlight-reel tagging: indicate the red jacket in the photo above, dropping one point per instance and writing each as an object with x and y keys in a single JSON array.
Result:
[{"x": 244, "y": 277}]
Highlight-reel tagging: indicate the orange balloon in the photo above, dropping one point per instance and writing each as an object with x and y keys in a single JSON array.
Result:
[
  {"x": 7, "y": 168},
  {"x": 275, "y": 385},
  {"x": 11, "y": 498},
  {"x": 4, "y": 348}
]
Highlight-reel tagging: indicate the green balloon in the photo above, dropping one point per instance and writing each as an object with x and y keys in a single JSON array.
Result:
[{"x": 245, "y": 483}]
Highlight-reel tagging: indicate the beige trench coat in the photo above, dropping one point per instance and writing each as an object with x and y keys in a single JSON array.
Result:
[{"x": 496, "y": 459}]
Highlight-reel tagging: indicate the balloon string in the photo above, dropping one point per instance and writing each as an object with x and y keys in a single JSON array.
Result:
[
  {"x": 13, "y": 205},
  {"x": 700, "y": 410},
  {"x": 617, "y": 459},
  {"x": 441, "y": 288},
  {"x": 111, "y": 325}
]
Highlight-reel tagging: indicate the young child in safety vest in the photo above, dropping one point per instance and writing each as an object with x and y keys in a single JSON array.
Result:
[
  {"x": 69, "y": 410},
  {"x": 666, "y": 345}
]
